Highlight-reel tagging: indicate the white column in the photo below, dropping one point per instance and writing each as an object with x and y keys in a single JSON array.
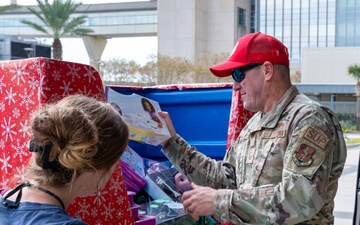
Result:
[{"x": 95, "y": 46}]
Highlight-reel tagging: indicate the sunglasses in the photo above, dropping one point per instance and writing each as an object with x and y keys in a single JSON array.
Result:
[{"x": 239, "y": 74}]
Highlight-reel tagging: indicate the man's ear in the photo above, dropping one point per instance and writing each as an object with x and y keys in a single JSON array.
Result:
[{"x": 268, "y": 70}]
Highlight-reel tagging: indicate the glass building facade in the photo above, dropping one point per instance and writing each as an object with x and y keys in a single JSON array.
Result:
[{"x": 308, "y": 23}]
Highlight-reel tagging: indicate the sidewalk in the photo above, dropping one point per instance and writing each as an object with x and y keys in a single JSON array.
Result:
[{"x": 345, "y": 197}]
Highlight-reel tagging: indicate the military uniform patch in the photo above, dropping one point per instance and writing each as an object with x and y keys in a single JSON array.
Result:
[
  {"x": 304, "y": 155},
  {"x": 315, "y": 137}
]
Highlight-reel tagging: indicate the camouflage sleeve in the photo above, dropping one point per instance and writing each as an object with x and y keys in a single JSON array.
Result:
[
  {"x": 197, "y": 167},
  {"x": 314, "y": 159},
  {"x": 313, "y": 162}
]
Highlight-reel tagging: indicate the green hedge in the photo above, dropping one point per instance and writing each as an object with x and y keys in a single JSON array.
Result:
[{"x": 347, "y": 121}]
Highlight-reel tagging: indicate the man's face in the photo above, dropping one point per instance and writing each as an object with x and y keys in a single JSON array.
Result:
[{"x": 252, "y": 89}]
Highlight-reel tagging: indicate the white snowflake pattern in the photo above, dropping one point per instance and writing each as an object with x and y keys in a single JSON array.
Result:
[
  {"x": 115, "y": 186},
  {"x": 94, "y": 212},
  {"x": 19, "y": 72},
  {"x": 25, "y": 129},
  {"x": 2, "y": 144},
  {"x": 20, "y": 173},
  {"x": 120, "y": 200},
  {"x": 26, "y": 99},
  {"x": 2, "y": 84},
  {"x": 10, "y": 96},
  {"x": 55, "y": 97},
  {"x": 120, "y": 213},
  {"x": 16, "y": 113},
  {"x": 99, "y": 222},
  {"x": 20, "y": 150},
  {"x": 89, "y": 73},
  {"x": 2, "y": 106},
  {"x": 5, "y": 161},
  {"x": 244, "y": 118},
  {"x": 84, "y": 208},
  {"x": 66, "y": 88},
  {"x": 4, "y": 183},
  {"x": 44, "y": 87},
  {"x": 73, "y": 71},
  {"x": 8, "y": 132},
  {"x": 84, "y": 92},
  {"x": 108, "y": 212},
  {"x": 33, "y": 83},
  {"x": 56, "y": 75},
  {"x": 99, "y": 199}
]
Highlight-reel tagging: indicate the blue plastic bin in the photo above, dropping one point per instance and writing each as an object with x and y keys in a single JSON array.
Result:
[{"x": 200, "y": 114}]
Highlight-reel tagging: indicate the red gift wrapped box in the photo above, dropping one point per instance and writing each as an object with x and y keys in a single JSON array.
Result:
[{"x": 27, "y": 84}]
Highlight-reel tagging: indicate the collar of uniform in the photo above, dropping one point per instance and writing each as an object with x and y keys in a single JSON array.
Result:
[{"x": 271, "y": 119}]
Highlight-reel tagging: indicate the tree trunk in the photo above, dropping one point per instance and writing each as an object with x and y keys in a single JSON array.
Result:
[
  {"x": 357, "y": 90},
  {"x": 358, "y": 114},
  {"x": 57, "y": 49}
]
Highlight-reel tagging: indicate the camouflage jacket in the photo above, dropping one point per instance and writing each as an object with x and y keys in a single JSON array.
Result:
[{"x": 282, "y": 169}]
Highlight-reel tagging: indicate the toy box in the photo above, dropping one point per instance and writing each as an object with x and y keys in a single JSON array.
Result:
[
  {"x": 133, "y": 168},
  {"x": 141, "y": 114},
  {"x": 165, "y": 184},
  {"x": 207, "y": 116},
  {"x": 161, "y": 185},
  {"x": 25, "y": 86}
]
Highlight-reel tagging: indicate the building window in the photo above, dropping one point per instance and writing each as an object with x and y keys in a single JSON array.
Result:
[{"x": 241, "y": 17}]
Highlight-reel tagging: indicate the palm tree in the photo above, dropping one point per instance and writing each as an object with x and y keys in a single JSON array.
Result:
[
  {"x": 57, "y": 21},
  {"x": 354, "y": 71}
]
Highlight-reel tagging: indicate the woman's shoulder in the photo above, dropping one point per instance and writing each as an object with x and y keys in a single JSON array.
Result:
[{"x": 36, "y": 213}]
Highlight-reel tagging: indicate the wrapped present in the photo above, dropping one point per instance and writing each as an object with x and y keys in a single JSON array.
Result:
[
  {"x": 26, "y": 85},
  {"x": 238, "y": 118}
]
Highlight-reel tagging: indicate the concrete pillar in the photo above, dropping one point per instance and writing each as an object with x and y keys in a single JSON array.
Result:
[{"x": 95, "y": 46}]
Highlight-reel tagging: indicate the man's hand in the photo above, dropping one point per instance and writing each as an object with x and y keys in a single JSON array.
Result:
[
  {"x": 199, "y": 201},
  {"x": 169, "y": 124}
]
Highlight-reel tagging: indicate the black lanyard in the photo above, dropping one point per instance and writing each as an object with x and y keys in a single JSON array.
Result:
[{"x": 18, "y": 197}]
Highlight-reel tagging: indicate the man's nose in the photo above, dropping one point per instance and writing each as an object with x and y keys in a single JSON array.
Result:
[{"x": 236, "y": 86}]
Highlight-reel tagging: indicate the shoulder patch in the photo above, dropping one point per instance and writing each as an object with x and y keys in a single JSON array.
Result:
[
  {"x": 308, "y": 150},
  {"x": 304, "y": 155},
  {"x": 315, "y": 137}
]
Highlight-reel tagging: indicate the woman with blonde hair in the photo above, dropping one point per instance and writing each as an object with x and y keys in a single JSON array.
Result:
[{"x": 76, "y": 144}]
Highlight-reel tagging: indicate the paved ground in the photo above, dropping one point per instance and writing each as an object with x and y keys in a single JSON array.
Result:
[{"x": 345, "y": 198}]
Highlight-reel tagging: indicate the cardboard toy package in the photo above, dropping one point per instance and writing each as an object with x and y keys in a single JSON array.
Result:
[
  {"x": 133, "y": 168},
  {"x": 140, "y": 113},
  {"x": 25, "y": 86},
  {"x": 161, "y": 185},
  {"x": 166, "y": 186}
]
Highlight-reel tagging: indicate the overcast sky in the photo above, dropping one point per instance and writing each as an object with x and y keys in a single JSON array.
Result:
[
  {"x": 137, "y": 48},
  {"x": 33, "y": 2}
]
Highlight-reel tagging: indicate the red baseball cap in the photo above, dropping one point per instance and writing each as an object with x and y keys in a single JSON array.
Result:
[{"x": 253, "y": 48}]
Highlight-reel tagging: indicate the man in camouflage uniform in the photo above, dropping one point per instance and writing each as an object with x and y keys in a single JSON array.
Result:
[{"x": 284, "y": 166}]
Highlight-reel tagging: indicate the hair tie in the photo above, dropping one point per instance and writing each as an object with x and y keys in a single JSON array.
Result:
[{"x": 45, "y": 152}]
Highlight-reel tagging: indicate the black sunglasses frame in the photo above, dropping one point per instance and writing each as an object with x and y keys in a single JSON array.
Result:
[{"x": 238, "y": 74}]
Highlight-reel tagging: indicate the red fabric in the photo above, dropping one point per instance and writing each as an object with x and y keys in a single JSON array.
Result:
[
  {"x": 25, "y": 85},
  {"x": 238, "y": 118}
]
